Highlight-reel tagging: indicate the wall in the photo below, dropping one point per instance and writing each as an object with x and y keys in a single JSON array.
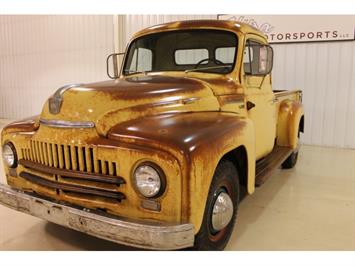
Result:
[
  {"x": 38, "y": 54},
  {"x": 325, "y": 72},
  {"x": 134, "y": 23}
]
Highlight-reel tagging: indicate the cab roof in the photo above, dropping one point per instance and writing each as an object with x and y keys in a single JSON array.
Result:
[{"x": 231, "y": 25}]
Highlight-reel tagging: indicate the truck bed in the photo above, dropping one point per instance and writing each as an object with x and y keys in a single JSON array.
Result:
[{"x": 286, "y": 94}]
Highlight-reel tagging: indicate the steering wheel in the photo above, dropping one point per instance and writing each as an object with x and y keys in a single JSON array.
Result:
[{"x": 216, "y": 61}]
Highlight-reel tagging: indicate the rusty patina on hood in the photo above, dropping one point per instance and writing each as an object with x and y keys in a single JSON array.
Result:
[{"x": 111, "y": 102}]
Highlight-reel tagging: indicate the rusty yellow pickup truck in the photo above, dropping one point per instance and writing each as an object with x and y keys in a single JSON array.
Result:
[{"x": 156, "y": 157}]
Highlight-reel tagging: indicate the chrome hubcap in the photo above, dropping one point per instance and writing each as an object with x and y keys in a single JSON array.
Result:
[{"x": 222, "y": 211}]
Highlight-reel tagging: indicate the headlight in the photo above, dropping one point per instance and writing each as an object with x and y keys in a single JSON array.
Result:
[
  {"x": 9, "y": 155},
  {"x": 149, "y": 180}
]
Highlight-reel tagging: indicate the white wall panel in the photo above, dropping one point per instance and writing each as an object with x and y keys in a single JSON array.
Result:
[
  {"x": 134, "y": 23},
  {"x": 38, "y": 54},
  {"x": 325, "y": 72}
]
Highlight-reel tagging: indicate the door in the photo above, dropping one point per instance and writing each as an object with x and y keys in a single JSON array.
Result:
[{"x": 261, "y": 101}]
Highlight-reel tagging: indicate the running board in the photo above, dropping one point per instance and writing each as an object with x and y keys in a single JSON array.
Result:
[{"x": 265, "y": 166}]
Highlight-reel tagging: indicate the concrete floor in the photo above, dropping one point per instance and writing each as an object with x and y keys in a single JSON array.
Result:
[{"x": 311, "y": 207}]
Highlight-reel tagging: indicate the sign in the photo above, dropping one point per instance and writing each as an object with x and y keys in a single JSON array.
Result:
[{"x": 303, "y": 28}]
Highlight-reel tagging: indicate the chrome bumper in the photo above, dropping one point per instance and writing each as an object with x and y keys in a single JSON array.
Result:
[{"x": 147, "y": 236}]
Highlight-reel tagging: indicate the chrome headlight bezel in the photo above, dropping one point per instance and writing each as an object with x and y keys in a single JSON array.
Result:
[
  {"x": 9, "y": 155},
  {"x": 157, "y": 184}
]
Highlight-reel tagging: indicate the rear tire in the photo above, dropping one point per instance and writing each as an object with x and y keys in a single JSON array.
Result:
[
  {"x": 225, "y": 188},
  {"x": 290, "y": 161}
]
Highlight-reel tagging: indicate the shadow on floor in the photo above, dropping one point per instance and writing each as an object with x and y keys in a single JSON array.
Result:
[{"x": 258, "y": 210}]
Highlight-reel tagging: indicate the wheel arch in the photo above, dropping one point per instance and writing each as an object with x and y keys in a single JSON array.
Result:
[
  {"x": 301, "y": 125},
  {"x": 239, "y": 158}
]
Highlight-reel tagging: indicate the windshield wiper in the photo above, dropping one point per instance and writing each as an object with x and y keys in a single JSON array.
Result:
[{"x": 206, "y": 68}]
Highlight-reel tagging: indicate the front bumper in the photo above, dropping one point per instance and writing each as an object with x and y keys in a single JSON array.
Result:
[{"x": 147, "y": 236}]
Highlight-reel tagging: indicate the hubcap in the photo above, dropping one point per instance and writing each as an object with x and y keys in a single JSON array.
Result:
[{"x": 222, "y": 211}]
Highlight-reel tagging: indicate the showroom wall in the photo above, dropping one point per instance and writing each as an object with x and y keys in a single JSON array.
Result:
[
  {"x": 38, "y": 54},
  {"x": 325, "y": 72}
]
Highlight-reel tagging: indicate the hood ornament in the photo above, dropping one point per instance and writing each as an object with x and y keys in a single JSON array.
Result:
[{"x": 55, "y": 102}]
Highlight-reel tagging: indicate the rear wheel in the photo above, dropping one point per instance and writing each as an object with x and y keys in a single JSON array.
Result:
[
  {"x": 221, "y": 209},
  {"x": 290, "y": 161}
]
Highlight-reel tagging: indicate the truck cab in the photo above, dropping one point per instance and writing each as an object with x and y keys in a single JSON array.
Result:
[{"x": 156, "y": 157}]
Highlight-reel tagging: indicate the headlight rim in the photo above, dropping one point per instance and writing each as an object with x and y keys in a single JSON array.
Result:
[
  {"x": 161, "y": 174},
  {"x": 13, "y": 149}
]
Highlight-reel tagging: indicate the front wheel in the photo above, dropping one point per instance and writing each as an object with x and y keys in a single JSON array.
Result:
[{"x": 221, "y": 209}]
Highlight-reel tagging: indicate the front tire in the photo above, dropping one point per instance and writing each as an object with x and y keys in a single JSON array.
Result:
[{"x": 221, "y": 209}]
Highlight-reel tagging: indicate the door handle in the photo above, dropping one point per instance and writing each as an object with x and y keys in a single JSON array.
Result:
[{"x": 250, "y": 105}]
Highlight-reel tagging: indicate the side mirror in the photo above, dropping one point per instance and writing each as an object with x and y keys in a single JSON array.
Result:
[
  {"x": 258, "y": 59},
  {"x": 266, "y": 55},
  {"x": 112, "y": 68}
]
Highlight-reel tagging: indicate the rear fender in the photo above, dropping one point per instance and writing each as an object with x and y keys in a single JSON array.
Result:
[{"x": 290, "y": 115}]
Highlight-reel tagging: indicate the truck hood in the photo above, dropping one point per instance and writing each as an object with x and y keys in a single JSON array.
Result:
[{"x": 109, "y": 103}]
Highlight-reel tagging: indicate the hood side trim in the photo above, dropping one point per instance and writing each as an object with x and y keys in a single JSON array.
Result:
[{"x": 67, "y": 124}]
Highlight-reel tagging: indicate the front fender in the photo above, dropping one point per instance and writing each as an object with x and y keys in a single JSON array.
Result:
[
  {"x": 198, "y": 140},
  {"x": 29, "y": 124}
]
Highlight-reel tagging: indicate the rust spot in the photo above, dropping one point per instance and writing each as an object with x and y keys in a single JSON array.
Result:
[
  {"x": 184, "y": 130},
  {"x": 25, "y": 125},
  {"x": 138, "y": 87},
  {"x": 223, "y": 85},
  {"x": 227, "y": 99},
  {"x": 195, "y": 136}
]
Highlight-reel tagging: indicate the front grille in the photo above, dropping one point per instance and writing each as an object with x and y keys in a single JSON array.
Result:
[
  {"x": 69, "y": 157},
  {"x": 72, "y": 188},
  {"x": 71, "y": 171}
]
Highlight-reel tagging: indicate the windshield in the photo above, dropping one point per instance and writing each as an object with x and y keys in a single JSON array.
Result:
[{"x": 212, "y": 51}]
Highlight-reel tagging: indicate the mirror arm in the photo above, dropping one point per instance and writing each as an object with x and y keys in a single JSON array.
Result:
[
  {"x": 262, "y": 81},
  {"x": 115, "y": 66}
]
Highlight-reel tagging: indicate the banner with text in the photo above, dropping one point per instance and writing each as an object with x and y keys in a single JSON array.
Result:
[{"x": 302, "y": 28}]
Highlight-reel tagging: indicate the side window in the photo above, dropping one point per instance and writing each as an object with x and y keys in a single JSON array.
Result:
[
  {"x": 258, "y": 58},
  {"x": 141, "y": 61},
  {"x": 225, "y": 54},
  {"x": 190, "y": 56}
]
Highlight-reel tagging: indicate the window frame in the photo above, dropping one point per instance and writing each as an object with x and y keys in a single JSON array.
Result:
[
  {"x": 232, "y": 69},
  {"x": 137, "y": 57}
]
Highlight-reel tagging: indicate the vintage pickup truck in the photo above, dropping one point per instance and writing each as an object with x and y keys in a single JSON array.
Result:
[{"x": 156, "y": 157}]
